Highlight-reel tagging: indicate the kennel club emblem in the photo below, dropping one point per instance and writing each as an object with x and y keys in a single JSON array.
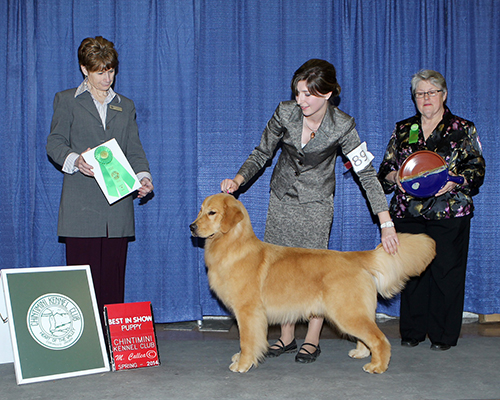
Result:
[{"x": 55, "y": 321}]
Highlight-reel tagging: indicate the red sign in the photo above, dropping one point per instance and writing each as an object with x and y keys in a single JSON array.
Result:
[{"x": 131, "y": 335}]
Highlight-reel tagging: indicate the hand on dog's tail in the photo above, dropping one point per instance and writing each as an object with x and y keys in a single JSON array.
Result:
[{"x": 391, "y": 272}]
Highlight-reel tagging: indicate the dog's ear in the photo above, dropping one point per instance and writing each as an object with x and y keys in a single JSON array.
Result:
[{"x": 232, "y": 216}]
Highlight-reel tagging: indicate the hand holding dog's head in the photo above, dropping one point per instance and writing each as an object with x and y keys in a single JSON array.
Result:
[{"x": 218, "y": 215}]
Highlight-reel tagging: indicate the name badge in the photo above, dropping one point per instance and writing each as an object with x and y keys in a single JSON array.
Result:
[
  {"x": 360, "y": 157},
  {"x": 116, "y": 108}
]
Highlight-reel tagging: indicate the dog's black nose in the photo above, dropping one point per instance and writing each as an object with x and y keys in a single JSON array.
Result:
[{"x": 192, "y": 227}]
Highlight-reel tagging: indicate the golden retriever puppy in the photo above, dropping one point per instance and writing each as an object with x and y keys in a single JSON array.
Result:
[{"x": 262, "y": 283}]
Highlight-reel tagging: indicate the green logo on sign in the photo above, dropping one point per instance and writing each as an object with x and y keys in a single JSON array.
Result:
[{"x": 55, "y": 321}]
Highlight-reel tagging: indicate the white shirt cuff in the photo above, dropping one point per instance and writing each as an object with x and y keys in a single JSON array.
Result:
[
  {"x": 69, "y": 163},
  {"x": 144, "y": 174}
]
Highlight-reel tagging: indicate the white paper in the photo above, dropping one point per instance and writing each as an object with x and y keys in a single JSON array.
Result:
[{"x": 118, "y": 155}]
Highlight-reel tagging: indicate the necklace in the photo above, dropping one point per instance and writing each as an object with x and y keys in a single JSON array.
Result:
[{"x": 313, "y": 132}]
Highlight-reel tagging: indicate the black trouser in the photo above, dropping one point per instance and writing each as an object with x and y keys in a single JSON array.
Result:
[
  {"x": 107, "y": 258},
  {"x": 432, "y": 304}
]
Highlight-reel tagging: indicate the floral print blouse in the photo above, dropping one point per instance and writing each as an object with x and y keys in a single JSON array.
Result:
[{"x": 456, "y": 140}]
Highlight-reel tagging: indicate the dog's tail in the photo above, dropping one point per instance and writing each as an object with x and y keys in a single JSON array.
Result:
[{"x": 391, "y": 272}]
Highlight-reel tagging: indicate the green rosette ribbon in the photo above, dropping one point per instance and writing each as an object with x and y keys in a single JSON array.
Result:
[{"x": 116, "y": 177}]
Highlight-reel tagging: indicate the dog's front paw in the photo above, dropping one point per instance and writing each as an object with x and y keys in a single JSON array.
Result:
[
  {"x": 372, "y": 368},
  {"x": 237, "y": 365}
]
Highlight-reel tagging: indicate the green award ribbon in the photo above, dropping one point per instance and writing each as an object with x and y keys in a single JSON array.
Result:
[
  {"x": 116, "y": 177},
  {"x": 413, "y": 134}
]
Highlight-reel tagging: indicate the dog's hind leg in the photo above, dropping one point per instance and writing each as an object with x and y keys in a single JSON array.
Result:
[
  {"x": 252, "y": 325},
  {"x": 367, "y": 331},
  {"x": 361, "y": 351},
  {"x": 359, "y": 322},
  {"x": 380, "y": 349}
]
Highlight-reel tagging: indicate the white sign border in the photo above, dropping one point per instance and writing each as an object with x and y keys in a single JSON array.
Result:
[{"x": 15, "y": 349}]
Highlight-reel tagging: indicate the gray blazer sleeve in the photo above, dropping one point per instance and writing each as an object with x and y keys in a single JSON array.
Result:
[
  {"x": 368, "y": 176},
  {"x": 269, "y": 141}
]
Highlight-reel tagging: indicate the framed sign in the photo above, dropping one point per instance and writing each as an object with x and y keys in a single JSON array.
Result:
[
  {"x": 6, "y": 355},
  {"x": 54, "y": 323},
  {"x": 131, "y": 335}
]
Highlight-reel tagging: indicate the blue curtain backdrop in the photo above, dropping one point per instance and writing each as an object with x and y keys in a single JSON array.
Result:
[{"x": 206, "y": 75}]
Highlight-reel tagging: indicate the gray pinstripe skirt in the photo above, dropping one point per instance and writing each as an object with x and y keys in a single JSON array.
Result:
[{"x": 292, "y": 224}]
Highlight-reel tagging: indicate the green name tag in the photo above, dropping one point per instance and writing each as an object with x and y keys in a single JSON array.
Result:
[{"x": 413, "y": 134}]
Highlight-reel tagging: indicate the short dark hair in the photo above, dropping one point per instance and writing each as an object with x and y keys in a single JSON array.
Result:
[
  {"x": 320, "y": 77},
  {"x": 97, "y": 54}
]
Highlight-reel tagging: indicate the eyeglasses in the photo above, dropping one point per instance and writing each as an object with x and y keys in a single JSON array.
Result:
[{"x": 430, "y": 93}]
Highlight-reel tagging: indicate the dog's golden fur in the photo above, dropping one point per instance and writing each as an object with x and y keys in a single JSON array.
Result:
[{"x": 262, "y": 283}]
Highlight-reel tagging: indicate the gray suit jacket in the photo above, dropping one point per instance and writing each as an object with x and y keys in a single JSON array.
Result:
[
  {"x": 76, "y": 126},
  {"x": 310, "y": 171}
]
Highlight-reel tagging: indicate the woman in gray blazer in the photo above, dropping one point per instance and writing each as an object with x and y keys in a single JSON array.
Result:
[
  {"x": 95, "y": 232},
  {"x": 310, "y": 130}
]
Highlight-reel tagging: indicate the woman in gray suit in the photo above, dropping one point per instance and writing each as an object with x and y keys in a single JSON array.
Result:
[
  {"x": 310, "y": 130},
  {"x": 95, "y": 232}
]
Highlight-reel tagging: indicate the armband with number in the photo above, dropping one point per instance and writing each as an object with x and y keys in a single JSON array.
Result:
[{"x": 360, "y": 157}]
